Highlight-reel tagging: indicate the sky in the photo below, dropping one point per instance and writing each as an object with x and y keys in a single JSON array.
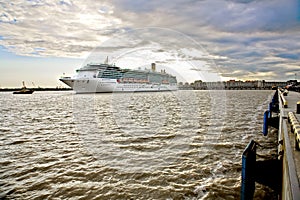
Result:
[{"x": 209, "y": 40}]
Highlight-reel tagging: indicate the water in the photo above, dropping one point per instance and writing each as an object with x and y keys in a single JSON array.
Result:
[{"x": 169, "y": 145}]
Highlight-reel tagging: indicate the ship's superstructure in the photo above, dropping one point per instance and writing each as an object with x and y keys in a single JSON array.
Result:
[{"x": 94, "y": 78}]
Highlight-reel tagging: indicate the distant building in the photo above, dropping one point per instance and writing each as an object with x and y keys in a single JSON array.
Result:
[
  {"x": 291, "y": 82},
  {"x": 185, "y": 86},
  {"x": 237, "y": 85}
]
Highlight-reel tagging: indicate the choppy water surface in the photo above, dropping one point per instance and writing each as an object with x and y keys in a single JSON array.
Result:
[{"x": 169, "y": 145}]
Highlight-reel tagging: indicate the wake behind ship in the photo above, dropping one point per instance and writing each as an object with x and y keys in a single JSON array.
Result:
[{"x": 97, "y": 78}]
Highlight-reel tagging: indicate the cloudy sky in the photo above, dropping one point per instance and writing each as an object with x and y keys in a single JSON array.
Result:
[{"x": 194, "y": 39}]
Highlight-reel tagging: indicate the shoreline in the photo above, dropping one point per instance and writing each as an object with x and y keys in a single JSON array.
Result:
[{"x": 35, "y": 89}]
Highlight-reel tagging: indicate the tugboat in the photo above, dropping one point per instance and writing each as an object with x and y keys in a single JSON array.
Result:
[{"x": 24, "y": 90}]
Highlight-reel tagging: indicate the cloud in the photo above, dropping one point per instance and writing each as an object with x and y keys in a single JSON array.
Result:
[
  {"x": 291, "y": 56},
  {"x": 61, "y": 28},
  {"x": 235, "y": 37}
]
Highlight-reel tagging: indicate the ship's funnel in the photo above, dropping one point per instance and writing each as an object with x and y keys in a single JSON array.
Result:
[{"x": 153, "y": 67}]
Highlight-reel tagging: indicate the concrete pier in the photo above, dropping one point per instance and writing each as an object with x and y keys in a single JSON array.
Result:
[
  {"x": 283, "y": 173},
  {"x": 287, "y": 147}
]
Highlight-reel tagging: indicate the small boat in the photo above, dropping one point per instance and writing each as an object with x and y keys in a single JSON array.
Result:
[{"x": 23, "y": 90}]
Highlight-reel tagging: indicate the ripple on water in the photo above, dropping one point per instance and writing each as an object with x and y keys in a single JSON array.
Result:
[{"x": 177, "y": 145}]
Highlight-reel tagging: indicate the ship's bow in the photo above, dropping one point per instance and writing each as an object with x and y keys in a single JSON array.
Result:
[{"x": 68, "y": 81}]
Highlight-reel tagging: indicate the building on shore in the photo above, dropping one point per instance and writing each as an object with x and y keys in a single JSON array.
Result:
[
  {"x": 237, "y": 85},
  {"x": 185, "y": 86}
]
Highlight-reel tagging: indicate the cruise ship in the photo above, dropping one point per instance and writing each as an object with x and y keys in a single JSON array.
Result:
[{"x": 98, "y": 78}]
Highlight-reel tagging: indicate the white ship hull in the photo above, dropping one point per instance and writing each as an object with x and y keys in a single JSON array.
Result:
[{"x": 101, "y": 85}]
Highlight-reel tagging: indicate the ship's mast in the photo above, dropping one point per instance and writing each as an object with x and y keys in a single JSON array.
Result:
[
  {"x": 106, "y": 60},
  {"x": 23, "y": 84}
]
